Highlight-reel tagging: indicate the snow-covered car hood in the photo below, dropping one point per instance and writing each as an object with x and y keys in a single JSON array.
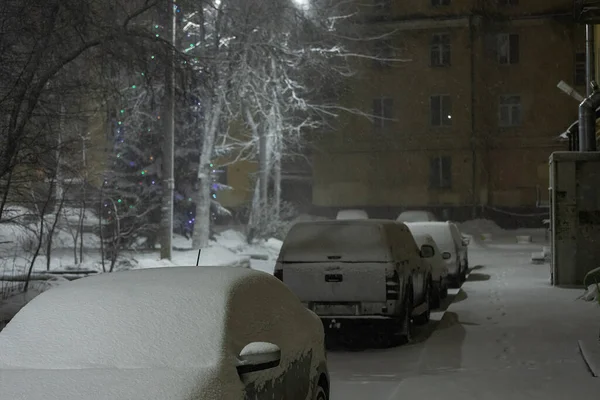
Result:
[{"x": 118, "y": 384}]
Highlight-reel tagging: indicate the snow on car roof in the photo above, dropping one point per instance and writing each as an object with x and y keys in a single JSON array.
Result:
[
  {"x": 160, "y": 317},
  {"x": 356, "y": 240}
]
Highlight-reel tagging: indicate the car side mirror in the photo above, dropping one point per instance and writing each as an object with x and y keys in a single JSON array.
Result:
[
  {"x": 446, "y": 255},
  {"x": 258, "y": 356},
  {"x": 466, "y": 241},
  {"x": 427, "y": 251}
]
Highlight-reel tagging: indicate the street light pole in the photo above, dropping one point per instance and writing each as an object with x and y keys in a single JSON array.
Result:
[{"x": 166, "y": 245}]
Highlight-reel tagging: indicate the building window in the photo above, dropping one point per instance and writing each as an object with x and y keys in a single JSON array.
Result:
[
  {"x": 383, "y": 112},
  {"x": 510, "y": 111},
  {"x": 441, "y": 110},
  {"x": 508, "y": 48},
  {"x": 508, "y": 2},
  {"x": 382, "y": 53},
  {"x": 437, "y": 3},
  {"x": 440, "y": 50},
  {"x": 580, "y": 61},
  {"x": 440, "y": 172}
]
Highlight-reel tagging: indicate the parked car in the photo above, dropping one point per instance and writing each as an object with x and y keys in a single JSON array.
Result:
[
  {"x": 207, "y": 333},
  {"x": 439, "y": 270},
  {"x": 359, "y": 273},
  {"x": 352, "y": 214},
  {"x": 416, "y": 216},
  {"x": 451, "y": 243}
]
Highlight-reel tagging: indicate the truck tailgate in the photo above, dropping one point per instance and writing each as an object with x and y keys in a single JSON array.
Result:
[{"x": 337, "y": 282}]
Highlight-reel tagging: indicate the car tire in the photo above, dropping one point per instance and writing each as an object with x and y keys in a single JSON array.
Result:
[
  {"x": 406, "y": 327},
  {"x": 444, "y": 292},
  {"x": 422, "y": 319},
  {"x": 463, "y": 274},
  {"x": 321, "y": 393}
]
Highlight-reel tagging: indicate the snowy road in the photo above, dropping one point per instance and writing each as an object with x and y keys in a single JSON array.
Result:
[{"x": 507, "y": 335}]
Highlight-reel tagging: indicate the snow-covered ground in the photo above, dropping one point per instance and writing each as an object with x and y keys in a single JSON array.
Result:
[
  {"x": 228, "y": 249},
  {"x": 508, "y": 334}
]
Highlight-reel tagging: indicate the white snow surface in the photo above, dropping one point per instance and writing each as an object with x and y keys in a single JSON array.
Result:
[
  {"x": 136, "y": 319},
  {"x": 508, "y": 334},
  {"x": 171, "y": 333},
  {"x": 355, "y": 240}
]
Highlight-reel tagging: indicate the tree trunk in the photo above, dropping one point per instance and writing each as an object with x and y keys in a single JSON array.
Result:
[
  {"x": 255, "y": 211},
  {"x": 263, "y": 162},
  {"x": 212, "y": 117},
  {"x": 277, "y": 185},
  {"x": 202, "y": 222}
]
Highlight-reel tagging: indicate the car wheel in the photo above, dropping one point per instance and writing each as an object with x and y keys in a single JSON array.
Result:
[
  {"x": 422, "y": 319},
  {"x": 321, "y": 393},
  {"x": 463, "y": 274},
  {"x": 444, "y": 292},
  {"x": 407, "y": 327}
]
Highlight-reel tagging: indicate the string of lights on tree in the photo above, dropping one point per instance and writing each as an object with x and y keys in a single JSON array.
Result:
[{"x": 135, "y": 162}]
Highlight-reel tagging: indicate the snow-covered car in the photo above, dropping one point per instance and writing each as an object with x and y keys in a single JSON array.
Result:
[
  {"x": 449, "y": 240},
  {"x": 439, "y": 270},
  {"x": 206, "y": 333},
  {"x": 352, "y": 214},
  {"x": 359, "y": 274},
  {"x": 416, "y": 216}
]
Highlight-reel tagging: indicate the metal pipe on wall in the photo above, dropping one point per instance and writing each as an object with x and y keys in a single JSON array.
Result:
[
  {"x": 589, "y": 57},
  {"x": 587, "y": 108}
]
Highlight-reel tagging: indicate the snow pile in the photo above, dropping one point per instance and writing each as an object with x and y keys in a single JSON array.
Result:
[
  {"x": 592, "y": 293},
  {"x": 477, "y": 227}
]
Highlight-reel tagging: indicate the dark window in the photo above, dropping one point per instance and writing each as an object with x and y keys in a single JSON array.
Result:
[
  {"x": 382, "y": 51},
  {"x": 510, "y": 111},
  {"x": 508, "y": 2},
  {"x": 383, "y": 112},
  {"x": 508, "y": 48},
  {"x": 437, "y": 3},
  {"x": 441, "y": 50},
  {"x": 580, "y": 62},
  {"x": 441, "y": 110},
  {"x": 440, "y": 172}
]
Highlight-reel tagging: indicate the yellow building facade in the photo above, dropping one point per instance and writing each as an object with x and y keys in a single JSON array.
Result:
[{"x": 468, "y": 119}]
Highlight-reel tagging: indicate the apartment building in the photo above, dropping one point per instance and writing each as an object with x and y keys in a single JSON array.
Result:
[{"x": 466, "y": 113}]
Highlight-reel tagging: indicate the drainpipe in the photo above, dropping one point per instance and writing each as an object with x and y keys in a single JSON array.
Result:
[
  {"x": 587, "y": 119},
  {"x": 589, "y": 57}
]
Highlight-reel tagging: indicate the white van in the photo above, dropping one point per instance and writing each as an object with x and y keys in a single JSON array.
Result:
[
  {"x": 358, "y": 272},
  {"x": 450, "y": 242},
  {"x": 439, "y": 270}
]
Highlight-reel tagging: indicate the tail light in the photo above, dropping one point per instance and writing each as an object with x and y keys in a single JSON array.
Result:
[
  {"x": 278, "y": 272},
  {"x": 392, "y": 285}
]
